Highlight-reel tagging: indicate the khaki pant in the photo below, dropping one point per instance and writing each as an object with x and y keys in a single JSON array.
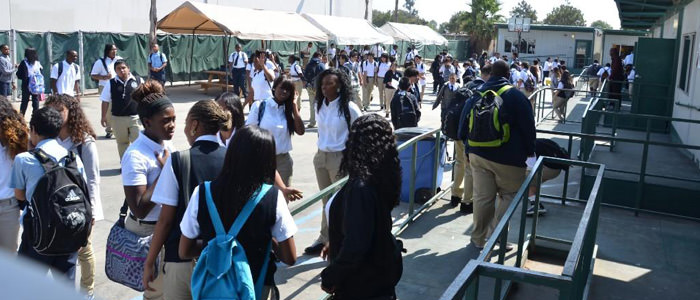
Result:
[
  {"x": 559, "y": 106},
  {"x": 593, "y": 84},
  {"x": 492, "y": 179},
  {"x": 285, "y": 166},
  {"x": 367, "y": 90},
  {"x": 86, "y": 260},
  {"x": 299, "y": 88},
  {"x": 176, "y": 280},
  {"x": 108, "y": 129},
  {"x": 327, "y": 167},
  {"x": 9, "y": 224},
  {"x": 358, "y": 96},
  {"x": 312, "y": 110},
  {"x": 547, "y": 174},
  {"x": 380, "y": 86},
  {"x": 146, "y": 230},
  {"x": 126, "y": 130},
  {"x": 463, "y": 184},
  {"x": 388, "y": 95}
]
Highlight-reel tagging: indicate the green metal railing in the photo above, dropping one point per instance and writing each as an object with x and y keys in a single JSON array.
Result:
[{"x": 578, "y": 266}]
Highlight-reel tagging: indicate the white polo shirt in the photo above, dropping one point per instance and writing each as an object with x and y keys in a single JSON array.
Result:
[
  {"x": 106, "y": 95},
  {"x": 5, "y": 164},
  {"x": 331, "y": 52},
  {"x": 295, "y": 72},
  {"x": 274, "y": 121},
  {"x": 140, "y": 166},
  {"x": 99, "y": 69},
  {"x": 332, "y": 128},
  {"x": 283, "y": 229},
  {"x": 238, "y": 59},
  {"x": 368, "y": 68},
  {"x": 421, "y": 71},
  {"x": 227, "y": 141},
  {"x": 261, "y": 87},
  {"x": 65, "y": 84},
  {"x": 383, "y": 68}
]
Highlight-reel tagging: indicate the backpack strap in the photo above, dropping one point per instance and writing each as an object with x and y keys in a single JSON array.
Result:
[
  {"x": 60, "y": 69},
  {"x": 104, "y": 64},
  {"x": 248, "y": 209},
  {"x": 46, "y": 162},
  {"x": 181, "y": 166},
  {"x": 261, "y": 111}
]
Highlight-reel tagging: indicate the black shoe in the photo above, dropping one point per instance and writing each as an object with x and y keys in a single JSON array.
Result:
[
  {"x": 314, "y": 249},
  {"x": 454, "y": 201},
  {"x": 466, "y": 208},
  {"x": 108, "y": 135}
]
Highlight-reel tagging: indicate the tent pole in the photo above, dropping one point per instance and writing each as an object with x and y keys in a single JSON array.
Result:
[
  {"x": 227, "y": 40},
  {"x": 191, "y": 59}
]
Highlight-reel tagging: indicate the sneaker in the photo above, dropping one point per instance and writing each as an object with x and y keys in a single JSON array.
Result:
[
  {"x": 531, "y": 210},
  {"x": 314, "y": 249},
  {"x": 108, "y": 135},
  {"x": 466, "y": 208},
  {"x": 311, "y": 125},
  {"x": 454, "y": 201},
  {"x": 509, "y": 247},
  {"x": 386, "y": 115}
]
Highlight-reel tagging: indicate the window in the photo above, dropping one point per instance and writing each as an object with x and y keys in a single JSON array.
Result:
[{"x": 686, "y": 61}]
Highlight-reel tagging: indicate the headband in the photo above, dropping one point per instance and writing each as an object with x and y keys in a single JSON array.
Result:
[{"x": 146, "y": 110}]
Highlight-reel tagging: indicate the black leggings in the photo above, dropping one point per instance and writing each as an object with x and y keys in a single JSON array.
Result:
[{"x": 25, "y": 99}]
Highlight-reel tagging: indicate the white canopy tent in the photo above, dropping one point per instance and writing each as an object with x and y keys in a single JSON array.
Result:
[
  {"x": 349, "y": 31},
  {"x": 414, "y": 33},
  {"x": 244, "y": 23}
]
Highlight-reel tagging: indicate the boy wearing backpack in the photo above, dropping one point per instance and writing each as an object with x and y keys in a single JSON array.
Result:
[
  {"x": 65, "y": 76},
  {"x": 545, "y": 147},
  {"x": 592, "y": 73},
  {"x": 405, "y": 111},
  {"x": 313, "y": 68},
  {"x": 49, "y": 183}
]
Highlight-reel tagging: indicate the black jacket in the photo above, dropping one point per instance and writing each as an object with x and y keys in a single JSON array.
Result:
[{"x": 365, "y": 261}]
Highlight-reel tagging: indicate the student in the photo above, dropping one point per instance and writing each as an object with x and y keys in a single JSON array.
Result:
[
  {"x": 77, "y": 136},
  {"x": 378, "y": 50},
  {"x": 279, "y": 115},
  {"x": 353, "y": 66},
  {"x": 459, "y": 69},
  {"x": 142, "y": 164},
  {"x": 405, "y": 111},
  {"x": 412, "y": 75},
  {"x": 237, "y": 62},
  {"x": 297, "y": 77},
  {"x": 420, "y": 67},
  {"x": 29, "y": 67},
  {"x": 394, "y": 51},
  {"x": 445, "y": 70},
  {"x": 231, "y": 103},
  {"x": 306, "y": 53},
  {"x": 382, "y": 67},
  {"x": 630, "y": 74},
  {"x": 603, "y": 73},
  {"x": 157, "y": 61},
  {"x": 336, "y": 112},
  {"x": 311, "y": 72},
  {"x": 251, "y": 149},
  {"x": 592, "y": 73},
  {"x": 65, "y": 76},
  {"x": 273, "y": 63},
  {"x": 260, "y": 79},
  {"x": 364, "y": 257},
  {"x": 544, "y": 147},
  {"x": 368, "y": 80},
  {"x": 435, "y": 71},
  {"x": 45, "y": 126},
  {"x": 331, "y": 54},
  {"x": 204, "y": 120},
  {"x": 561, "y": 97},
  {"x": 548, "y": 66},
  {"x": 389, "y": 89},
  {"x": 7, "y": 68},
  {"x": 103, "y": 71},
  {"x": 14, "y": 138},
  {"x": 118, "y": 111}
]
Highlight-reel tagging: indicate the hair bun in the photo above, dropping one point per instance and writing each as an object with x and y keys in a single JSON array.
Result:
[{"x": 150, "y": 87}]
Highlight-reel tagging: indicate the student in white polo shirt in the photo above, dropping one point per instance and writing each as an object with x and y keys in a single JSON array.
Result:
[
  {"x": 368, "y": 71},
  {"x": 13, "y": 125},
  {"x": 143, "y": 161},
  {"x": 237, "y": 62},
  {"x": 116, "y": 102},
  {"x": 420, "y": 67},
  {"x": 382, "y": 67},
  {"x": 65, "y": 76},
  {"x": 103, "y": 71},
  {"x": 261, "y": 77},
  {"x": 297, "y": 77}
]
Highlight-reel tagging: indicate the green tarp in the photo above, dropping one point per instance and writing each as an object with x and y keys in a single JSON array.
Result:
[{"x": 4, "y": 37}]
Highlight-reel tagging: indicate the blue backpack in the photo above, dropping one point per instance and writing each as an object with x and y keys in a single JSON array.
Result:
[
  {"x": 36, "y": 81},
  {"x": 222, "y": 271}
]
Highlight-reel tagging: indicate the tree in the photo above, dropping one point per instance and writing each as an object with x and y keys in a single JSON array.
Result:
[
  {"x": 454, "y": 25},
  {"x": 600, "y": 24},
  {"x": 565, "y": 14},
  {"x": 480, "y": 22},
  {"x": 524, "y": 10},
  {"x": 410, "y": 6},
  {"x": 380, "y": 18}
]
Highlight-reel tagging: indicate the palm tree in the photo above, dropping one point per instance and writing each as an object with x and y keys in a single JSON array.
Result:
[{"x": 480, "y": 22}]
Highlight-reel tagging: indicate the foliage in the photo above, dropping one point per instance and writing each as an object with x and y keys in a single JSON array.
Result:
[
  {"x": 565, "y": 14},
  {"x": 454, "y": 25},
  {"x": 524, "y": 10},
  {"x": 480, "y": 22},
  {"x": 600, "y": 24},
  {"x": 380, "y": 18},
  {"x": 410, "y": 6}
]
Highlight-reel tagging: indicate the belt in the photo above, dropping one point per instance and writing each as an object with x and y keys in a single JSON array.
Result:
[
  {"x": 243, "y": 68},
  {"x": 8, "y": 202},
  {"x": 142, "y": 221}
]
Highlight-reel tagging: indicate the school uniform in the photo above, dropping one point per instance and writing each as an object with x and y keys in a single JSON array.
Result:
[
  {"x": 262, "y": 88},
  {"x": 140, "y": 167},
  {"x": 270, "y": 219},
  {"x": 421, "y": 72},
  {"x": 9, "y": 208},
  {"x": 206, "y": 156},
  {"x": 7, "y": 68},
  {"x": 26, "y": 172},
  {"x": 65, "y": 83},
  {"x": 274, "y": 121},
  {"x": 157, "y": 60},
  {"x": 24, "y": 72},
  {"x": 238, "y": 61},
  {"x": 124, "y": 118},
  {"x": 104, "y": 66},
  {"x": 382, "y": 68},
  {"x": 221, "y": 141},
  {"x": 333, "y": 132},
  {"x": 296, "y": 75},
  {"x": 369, "y": 69},
  {"x": 389, "y": 89}
]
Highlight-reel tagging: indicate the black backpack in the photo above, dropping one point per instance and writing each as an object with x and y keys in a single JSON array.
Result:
[
  {"x": 409, "y": 115},
  {"x": 60, "y": 208},
  {"x": 593, "y": 71},
  {"x": 547, "y": 147},
  {"x": 452, "y": 111},
  {"x": 312, "y": 70}
]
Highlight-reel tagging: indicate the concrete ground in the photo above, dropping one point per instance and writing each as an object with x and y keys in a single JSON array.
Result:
[{"x": 644, "y": 257}]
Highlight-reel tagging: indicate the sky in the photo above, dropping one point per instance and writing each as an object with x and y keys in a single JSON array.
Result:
[{"x": 605, "y": 10}]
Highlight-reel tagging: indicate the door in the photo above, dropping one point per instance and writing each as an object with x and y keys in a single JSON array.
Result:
[
  {"x": 652, "y": 86},
  {"x": 582, "y": 57}
]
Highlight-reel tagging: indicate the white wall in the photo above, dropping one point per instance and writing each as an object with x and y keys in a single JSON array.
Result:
[
  {"x": 548, "y": 43},
  {"x": 612, "y": 39},
  {"x": 132, "y": 15}
]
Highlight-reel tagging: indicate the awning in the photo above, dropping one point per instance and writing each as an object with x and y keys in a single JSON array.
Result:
[
  {"x": 244, "y": 23},
  {"x": 643, "y": 15},
  {"x": 414, "y": 33},
  {"x": 349, "y": 31}
]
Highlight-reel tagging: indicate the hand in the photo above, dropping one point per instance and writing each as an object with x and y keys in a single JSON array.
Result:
[
  {"x": 329, "y": 290},
  {"x": 14, "y": 87},
  {"x": 148, "y": 275},
  {"x": 294, "y": 104},
  {"x": 77, "y": 96},
  {"x": 292, "y": 194},
  {"x": 162, "y": 158},
  {"x": 103, "y": 121},
  {"x": 324, "y": 252}
]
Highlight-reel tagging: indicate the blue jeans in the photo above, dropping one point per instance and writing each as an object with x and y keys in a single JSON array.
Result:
[
  {"x": 5, "y": 89},
  {"x": 64, "y": 264}
]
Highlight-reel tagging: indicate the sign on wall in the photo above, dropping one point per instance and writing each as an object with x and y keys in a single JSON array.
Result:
[{"x": 527, "y": 45}]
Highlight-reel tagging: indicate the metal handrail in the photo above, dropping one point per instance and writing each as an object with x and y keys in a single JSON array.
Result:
[{"x": 577, "y": 266}]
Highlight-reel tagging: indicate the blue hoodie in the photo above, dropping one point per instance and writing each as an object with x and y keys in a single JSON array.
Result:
[{"x": 516, "y": 111}]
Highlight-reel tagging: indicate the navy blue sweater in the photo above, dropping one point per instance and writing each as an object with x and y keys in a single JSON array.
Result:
[{"x": 516, "y": 111}]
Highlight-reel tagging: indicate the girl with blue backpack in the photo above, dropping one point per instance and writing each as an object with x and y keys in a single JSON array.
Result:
[{"x": 29, "y": 71}]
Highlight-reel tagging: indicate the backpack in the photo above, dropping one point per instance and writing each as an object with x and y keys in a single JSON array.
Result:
[
  {"x": 104, "y": 64},
  {"x": 60, "y": 69},
  {"x": 486, "y": 127},
  {"x": 605, "y": 74},
  {"x": 261, "y": 111},
  {"x": 547, "y": 147},
  {"x": 566, "y": 94},
  {"x": 452, "y": 111},
  {"x": 408, "y": 115},
  {"x": 529, "y": 83},
  {"x": 36, "y": 81},
  {"x": 222, "y": 271},
  {"x": 312, "y": 70},
  {"x": 593, "y": 70},
  {"x": 60, "y": 207}
]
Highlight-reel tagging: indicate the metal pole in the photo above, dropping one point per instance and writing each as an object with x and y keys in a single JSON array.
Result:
[
  {"x": 566, "y": 175},
  {"x": 80, "y": 58},
  {"x": 640, "y": 185},
  {"x": 13, "y": 38},
  {"x": 436, "y": 163},
  {"x": 412, "y": 180},
  {"x": 49, "y": 45},
  {"x": 537, "y": 206},
  {"x": 191, "y": 59}
]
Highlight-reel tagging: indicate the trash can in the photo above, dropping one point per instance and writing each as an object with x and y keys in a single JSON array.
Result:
[{"x": 425, "y": 160}]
